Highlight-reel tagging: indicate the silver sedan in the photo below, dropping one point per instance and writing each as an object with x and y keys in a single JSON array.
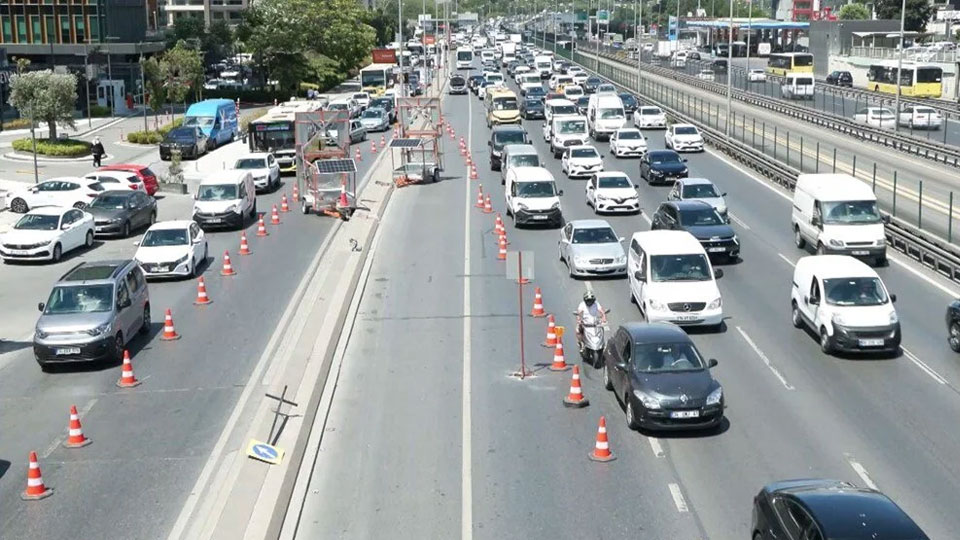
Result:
[{"x": 590, "y": 247}]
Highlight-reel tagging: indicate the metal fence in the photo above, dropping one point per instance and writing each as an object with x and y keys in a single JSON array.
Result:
[{"x": 918, "y": 54}]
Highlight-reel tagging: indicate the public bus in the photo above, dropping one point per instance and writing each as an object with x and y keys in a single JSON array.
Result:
[
  {"x": 464, "y": 57},
  {"x": 792, "y": 62},
  {"x": 274, "y": 132},
  {"x": 376, "y": 78},
  {"x": 917, "y": 80}
]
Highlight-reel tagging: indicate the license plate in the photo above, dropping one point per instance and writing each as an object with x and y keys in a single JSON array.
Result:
[
  {"x": 871, "y": 342},
  {"x": 163, "y": 269},
  {"x": 214, "y": 220},
  {"x": 540, "y": 217},
  {"x": 860, "y": 252},
  {"x": 686, "y": 317},
  {"x": 18, "y": 252},
  {"x": 685, "y": 414},
  {"x": 716, "y": 250},
  {"x": 68, "y": 350}
]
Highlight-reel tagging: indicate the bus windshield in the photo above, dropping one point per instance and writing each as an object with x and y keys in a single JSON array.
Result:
[
  {"x": 271, "y": 137},
  {"x": 373, "y": 78},
  {"x": 464, "y": 56}
]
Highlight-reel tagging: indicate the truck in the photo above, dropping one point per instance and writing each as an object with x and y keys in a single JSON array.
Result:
[
  {"x": 665, "y": 48},
  {"x": 509, "y": 53},
  {"x": 516, "y": 38}
]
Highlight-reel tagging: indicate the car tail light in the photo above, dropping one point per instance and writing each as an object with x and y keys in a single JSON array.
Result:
[{"x": 134, "y": 187}]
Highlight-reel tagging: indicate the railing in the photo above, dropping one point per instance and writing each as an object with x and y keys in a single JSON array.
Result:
[{"x": 919, "y": 54}]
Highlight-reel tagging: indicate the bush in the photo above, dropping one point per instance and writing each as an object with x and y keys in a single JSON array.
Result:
[
  {"x": 97, "y": 111},
  {"x": 19, "y": 123},
  {"x": 304, "y": 86},
  {"x": 54, "y": 148},
  {"x": 166, "y": 128},
  {"x": 144, "y": 137}
]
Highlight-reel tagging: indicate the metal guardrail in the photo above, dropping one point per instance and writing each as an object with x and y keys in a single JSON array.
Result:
[{"x": 918, "y": 54}]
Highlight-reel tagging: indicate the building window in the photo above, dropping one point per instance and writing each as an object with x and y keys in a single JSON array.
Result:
[
  {"x": 65, "y": 29},
  {"x": 37, "y": 29},
  {"x": 50, "y": 28},
  {"x": 94, "y": 28},
  {"x": 21, "y": 29},
  {"x": 80, "y": 28},
  {"x": 7, "y": 32}
]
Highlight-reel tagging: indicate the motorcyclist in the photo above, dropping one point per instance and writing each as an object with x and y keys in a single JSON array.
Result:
[{"x": 589, "y": 312}]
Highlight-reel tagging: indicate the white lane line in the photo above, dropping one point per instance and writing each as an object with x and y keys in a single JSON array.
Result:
[
  {"x": 82, "y": 411},
  {"x": 646, "y": 218},
  {"x": 908, "y": 266},
  {"x": 655, "y": 445},
  {"x": 765, "y": 360},
  {"x": 920, "y": 364},
  {"x": 738, "y": 221},
  {"x": 466, "y": 467},
  {"x": 678, "y": 499},
  {"x": 787, "y": 260},
  {"x": 861, "y": 472}
]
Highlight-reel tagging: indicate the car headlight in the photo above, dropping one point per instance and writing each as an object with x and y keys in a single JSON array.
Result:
[
  {"x": 621, "y": 259},
  {"x": 882, "y": 242},
  {"x": 116, "y": 220},
  {"x": 181, "y": 260},
  {"x": 736, "y": 240},
  {"x": 555, "y": 206},
  {"x": 40, "y": 333},
  {"x": 894, "y": 319},
  {"x": 838, "y": 319},
  {"x": 649, "y": 402},
  {"x": 580, "y": 260},
  {"x": 715, "y": 396},
  {"x": 835, "y": 243},
  {"x": 103, "y": 328},
  {"x": 233, "y": 208},
  {"x": 656, "y": 305},
  {"x": 261, "y": 177},
  {"x": 522, "y": 206},
  {"x": 602, "y": 197},
  {"x": 716, "y": 303}
]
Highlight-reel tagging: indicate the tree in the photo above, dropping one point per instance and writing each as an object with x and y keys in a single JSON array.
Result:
[
  {"x": 185, "y": 28},
  {"x": 154, "y": 81},
  {"x": 45, "y": 96},
  {"x": 181, "y": 70},
  {"x": 919, "y": 13},
  {"x": 343, "y": 35},
  {"x": 853, "y": 12},
  {"x": 217, "y": 42}
]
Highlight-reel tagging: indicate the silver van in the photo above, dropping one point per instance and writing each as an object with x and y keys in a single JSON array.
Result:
[
  {"x": 93, "y": 312},
  {"x": 518, "y": 155}
]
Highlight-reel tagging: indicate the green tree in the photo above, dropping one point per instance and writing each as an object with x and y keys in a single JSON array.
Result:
[
  {"x": 853, "y": 12},
  {"x": 154, "y": 80},
  {"x": 217, "y": 42},
  {"x": 45, "y": 96},
  {"x": 181, "y": 70},
  {"x": 918, "y": 15},
  {"x": 343, "y": 35},
  {"x": 185, "y": 28}
]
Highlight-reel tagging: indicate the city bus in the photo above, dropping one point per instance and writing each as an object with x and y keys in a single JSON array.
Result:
[
  {"x": 376, "y": 78},
  {"x": 917, "y": 80},
  {"x": 792, "y": 62},
  {"x": 274, "y": 132},
  {"x": 464, "y": 58}
]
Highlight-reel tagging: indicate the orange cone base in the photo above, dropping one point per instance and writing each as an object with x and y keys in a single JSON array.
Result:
[
  {"x": 575, "y": 404},
  {"x": 230, "y": 273},
  {"x": 602, "y": 459},
  {"x": 169, "y": 338},
  {"x": 44, "y": 495},
  {"x": 262, "y": 233},
  {"x": 548, "y": 344},
  {"x": 204, "y": 303},
  {"x": 555, "y": 367},
  {"x": 85, "y": 442},
  {"x": 122, "y": 384}
]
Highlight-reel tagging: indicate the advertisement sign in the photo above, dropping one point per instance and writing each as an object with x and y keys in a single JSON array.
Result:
[
  {"x": 429, "y": 39},
  {"x": 672, "y": 28},
  {"x": 581, "y": 17},
  {"x": 384, "y": 56},
  {"x": 603, "y": 15}
]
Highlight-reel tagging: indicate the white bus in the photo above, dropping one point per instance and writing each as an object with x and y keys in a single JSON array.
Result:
[{"x": 464, "y": 58}]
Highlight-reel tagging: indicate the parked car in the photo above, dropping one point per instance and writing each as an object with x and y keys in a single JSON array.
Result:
[
  {"x": 264, "y": 169},
  {"x": 147, "y": 176},
  {"x": 840, "y": 78},
  {"x": 703, "y": 222},
  {"x": 920, "y": 117},
  {"x": 590, "y": 247},
  {"x": 46, "y": 233},
  {"x": 172, "y": 249},
  {"x": 120, "y": 212},
  {"x": 65, "y": 191},
  {"x": 876, "y": 116},
  {"x": 612, "y": 192},
  {"x": 190, "y": 141},
  {"x": 662, "y": 166}
]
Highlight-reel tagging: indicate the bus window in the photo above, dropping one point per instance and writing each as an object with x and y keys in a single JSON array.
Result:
[
  {"x": 803, "y": 60},
  {"x": 929, "y": 75}
]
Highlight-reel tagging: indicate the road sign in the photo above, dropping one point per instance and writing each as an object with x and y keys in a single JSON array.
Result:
[{"x": 264, "y": 452}]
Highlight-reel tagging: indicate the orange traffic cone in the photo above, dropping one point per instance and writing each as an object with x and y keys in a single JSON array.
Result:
[
  {"x": 551, "y": 333},
  {"x": 262, "y": 227},
  {"x": 343, "y": 202},
  {"x": 479, "y": 197},
  {"x": 127, "y": 378},
  {"x": 35, "y": 488},
  {"x": 537, "y": 304},
  {"x": 498, "y": 228},
  {"x": 487, "y": 206},
  {"x": 396, "y": 133},
  {"x": 559, "y": 364},
  {"x": 274, "y": 216},
  {"x": 202, "y": 298},
  {"x": 575, "y": 397},
  {"x": 463, "y": 144},
  {"x": 469, "y": 159},
  {"x": 502, "y": 252},
  {"x": 75, "y": 438},
  {"x": 227, "y": 267},
  {"x": 473, "y": 172},
  {"x": 296, "y": 193},
  {"x": 373, "y": 146},
  {"x": 383, "y": 141},
  {"x": 453, "y": 136},
  {"x": 601, "y": 450},
  {"x": 284, "y": 207},
  {"x": 358, "y": 156},
  {"x": 244, "y": 247},
  {"x": 169, "y": 332}
]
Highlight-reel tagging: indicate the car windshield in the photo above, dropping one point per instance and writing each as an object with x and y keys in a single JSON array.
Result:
[
  {"x": 650, "y": 111},
  {"x": 614, "y": 182},
  {"x": 38, "y": 222},
  {"x": 529, "y": 103},
  {"x": 217, "y": 192},
  {"x": 584, "y": 153},
  {"x": 560, "y": 110},
  {"x": 525, "y": 160},
  {"x": 165, "y": 237},
  {"x": 509, "y": 137},
  {"x": 583, "y": 102},
  {"x": 66, "y": 299},
  {"x": 664, "y": 158},
  {"x": 594, "y": 80},
  {"x": 184, "y": 133},
  {"x": 699, "y": 191},
  {"x": 536, "y": 90},
  {"x": 250, "y": 163},
  {"x": 628, "y": 100},
  {"x": 574, "y": 126},
  {"x": 573, "y": 91},
  {"x": 691, "y": 267},
  {"x": 685, "y": 130},
  {"x": 372, "y": 113},
  {"x": 113, "y": 202},
  {"x": 861, "y": 291},
  {"x": 606, "y": 88},
  {"x": 666, "y": 357},
  {"x": 361, "y": 97},
  {"x": 494, "y": 77},
  {"x": 700, "y": 217},
  {"x": 629, "y": 135},
  {"x": 536, "y": 189},
  {"x": 595, "y": 235},
  {"x": 505, "y": 104},
  {"x": 608, "y": 114},
  {"x": 850, "y": 213},
  {"x": 338, "y": 106},
  {"x": 380, "y": 103},
  {"x": 200, "y": 121}
]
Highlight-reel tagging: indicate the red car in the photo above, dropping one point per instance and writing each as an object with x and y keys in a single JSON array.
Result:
[{"x": 147, "y": 176}]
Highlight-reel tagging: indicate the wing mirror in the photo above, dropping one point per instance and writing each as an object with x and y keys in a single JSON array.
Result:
[
  {"x": 621, "y": 239},
  {"x": 712, "y": 363},
  {"x": 684, "y": 160},
  {"x": 885, "y": 219},
  {"x": 136, "y": 243},
  {"x": 40, "y": 306},
  {"x": 724, "y": 194},
  {"x": 124, "y": 304},
  {"x": 717, "y": 273},
  {"x": 560, "y": 193},
  {"x": 893, "y": 298},
  {"x": 816, "y": 221}
]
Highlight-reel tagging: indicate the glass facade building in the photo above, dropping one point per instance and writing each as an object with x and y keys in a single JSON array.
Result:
[{"x": 43, "y": 22}]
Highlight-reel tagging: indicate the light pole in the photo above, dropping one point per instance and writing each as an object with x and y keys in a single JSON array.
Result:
[
  {"x": 556, "y": 31},
  {"x": 638, "y": 32},
  {"x": 86, "y": 82},
  {"x": 400, "y": 44},
  {"x": 143, "y": 89},
  {"x": 726, "y": 123},
  {"x": 749, "y": 31},
  {"x": 896, "y": 103}
]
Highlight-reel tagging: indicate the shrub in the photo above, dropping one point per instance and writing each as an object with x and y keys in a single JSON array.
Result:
[
  {"x": 304, "y": 86},
  {"x": 54, "y": 148},
  {"x": 19, "y": 123},
  {"x": 98, "y": 111},
  {"x": 164, "y": 129},
  {"x": 144, "y": 137}
]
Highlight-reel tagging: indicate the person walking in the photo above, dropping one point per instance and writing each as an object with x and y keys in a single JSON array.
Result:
[{"x": 98, "y": 151}]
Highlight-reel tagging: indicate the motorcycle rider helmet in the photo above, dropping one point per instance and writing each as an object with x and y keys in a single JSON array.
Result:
[{"x": 589, "y": 298}]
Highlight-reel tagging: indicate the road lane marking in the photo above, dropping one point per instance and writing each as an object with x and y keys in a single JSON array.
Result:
[
  {"x": 655, "y": 445},
  {"x": 765, "y": 360},
  {"x": 861, "y": 472},
  {"x": 920, "y": 364},
  {"x": 647, "y": 219},
  {"x": 81, "y": 412},
  {"x": 738, "y": 221},
  {"x": 466, "y": 471},
  {"x": 678, "y": 499},
  {"x": 788, "y": 261}
]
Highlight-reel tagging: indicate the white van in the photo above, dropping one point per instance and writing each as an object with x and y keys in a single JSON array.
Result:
[
  {"x": 567, "y": 131},
  {"x": 797, "y": 86},
  {"x": 225, "y": 199},
  {"x": 672, "y": 280},
  {"x": 517, "y": 155},
  {"x": 836, "y": 213},
  {"x": 557, "y": 107},
  {"x": 543, "y": 65},
  {"x": 605, "y": 115},
  {"x": 532, "y": 197},
  {"x": 845, "y": 303}
]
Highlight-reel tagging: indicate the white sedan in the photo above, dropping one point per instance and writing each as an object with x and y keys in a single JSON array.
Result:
[
  {"x": 172, "y": 248},
  {"x": 921, "y": 118},
  {"x": 45, "y": 234},
  {"x": 876, "y": 116},
  {"x": 65, "y": 191},
  {"x": 649, "y": 117},
  {"x": 705, "y": 75},
  {"x": 613, "y": 192},
  {"x": 683, "y": 138},
  {"x": 263, "y": 168},
  {"x": 628, "y": 142},
  {"x": 581, "y": 161},
  {"x": 756, "y": 75},
  {"x": 117, "y": 180}
]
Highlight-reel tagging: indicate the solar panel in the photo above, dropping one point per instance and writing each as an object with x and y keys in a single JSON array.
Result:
[
  {"x": 405, "y": 143},
  {"x": 329, "y": 166}
]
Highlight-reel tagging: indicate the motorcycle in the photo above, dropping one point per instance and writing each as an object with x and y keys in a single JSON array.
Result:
[{"x": 593, "y": 341}]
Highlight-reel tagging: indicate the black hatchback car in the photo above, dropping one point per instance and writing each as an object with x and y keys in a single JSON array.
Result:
[
  {"x": 840, "y": 78},
  {"x": 590, "y": 86},
  {"x": 501, "y": 135},
  {"x": 630, "y": 102},
  {"x": 820, "y": 509},
  {"x": 662, "y": 166},
  {"x": 701, "y": 220},
  {"x": 531, "y": 108},
  {"x": 663, "y": 380},
  {"x": 190, "y": 140}
]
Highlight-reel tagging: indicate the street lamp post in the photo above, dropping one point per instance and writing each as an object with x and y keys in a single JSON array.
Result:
[
  {"x": 638, "y": 32},
  {"x": 400, "y": 45},
  {"x": 749, "y": 31},
  {"x": 896, "y": 104},
  {"x": 143, "y": 89},
  {"x": 726, "y": 123}
]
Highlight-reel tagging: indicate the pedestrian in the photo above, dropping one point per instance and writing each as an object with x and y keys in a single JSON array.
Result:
[{"x": 98, "y": 151}]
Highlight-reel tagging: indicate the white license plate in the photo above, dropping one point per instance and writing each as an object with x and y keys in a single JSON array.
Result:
[
  {"x": 871, "y": 342},
  {"x": 214, "y": 220},
  {"x": 716, "y": 250},
  {"x": 68, "y": 350},
  {"x": 163, "y": 269},
  {"x": 687, "y": 317},
  {"x": 685, "y": 414},
  {"x": 540, "y": 217},
  {"x": 860, "y": 252},
  {"x": 18, "y": 252}
]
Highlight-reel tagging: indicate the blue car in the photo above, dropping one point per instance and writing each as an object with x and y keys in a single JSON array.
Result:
[{"x": 217, "y": 118}]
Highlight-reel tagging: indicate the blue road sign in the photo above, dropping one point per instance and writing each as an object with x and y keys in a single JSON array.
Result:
[{"x": 264, "y": 452}]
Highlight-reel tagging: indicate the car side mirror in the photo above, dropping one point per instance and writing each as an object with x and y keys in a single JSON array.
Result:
[
  {"x": 684, "y": 160},
  {"x": 893, "y": 298},
  {"x": 621, "y": 239},
  {"x": 816, "y": 222},
  {"x": 40, "y": 306},
  {"x": 885, "y": 219},
  {"x": 724, "y": 194},
  {"x": 717, "y": 273},
  {"x": 639, "y": 276},
  {"x": 712, "y": 363},
  {"x": 560, "y": 193},
  {"x": 136, "y": 243}
]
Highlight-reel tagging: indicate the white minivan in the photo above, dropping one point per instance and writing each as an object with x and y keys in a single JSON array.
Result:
[
  {"x": 845, "y": 303},
  {"x": 605, "y": 115},
  {"x": 672, "y": 280},
  {"x": 837, "y": 214},
  {"x": 225, "y": 199},
  {"x": 797, "y": 86},
  {"x": 567, "y": 131},
  {"x": 532, "y": 197}
]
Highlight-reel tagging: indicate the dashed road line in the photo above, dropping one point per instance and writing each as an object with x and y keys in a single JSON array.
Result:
[
  {"x": 738, "y": 221},
  {"x": 923, "y": 366},
  {"x": 765, "y": 360},
  {"x": 656, "y": 446},
  {"x": 788, "y": 261},
  {"x": 861, "y": 472},
  {"x": 678, "y": 499},
  {"x": 466, "y": 470}
]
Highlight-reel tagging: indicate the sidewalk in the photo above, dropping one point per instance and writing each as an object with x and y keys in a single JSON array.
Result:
[{"x": 81, "y": 130}]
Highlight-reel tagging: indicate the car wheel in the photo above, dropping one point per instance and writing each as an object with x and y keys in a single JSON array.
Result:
[
  {"x": 145, "y": 327},
  {"x": 826, "y": 344},
  {"x": 153, "y": 219},
  {"x": 304, "y": 209},
  {"x": 607, "y": 383},
  {"x": 194, "y": 268},
  {"x": 795, "y": 316},
  {"x": 19, "y": 206},
  {"x": 798, "y": 238},
  {"x": 954, "y": 339},
  {"x": 57, "y": 253},
  {"x": 570, "y": 271},
  {"x": 118, "y": 348},
  {"x": 631, "y": 417},
  {"x": 126, "y": 229},
  {"x": 88, "y": 240},
  {"x": 79, "y": 205}
]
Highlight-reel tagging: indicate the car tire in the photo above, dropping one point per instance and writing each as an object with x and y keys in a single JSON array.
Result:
[
  {"x": 954, "y": 337},
  {"x": 607, "y": 381},
  {"x": 57, "y": 253},
  {"x": 145, "y": 327},
  {"x": 117, "y": 354},
  {"x": 125, "y": 232},
  {"x": 630, "y": 416},
  {"x": 88, "y": 240},
  {"x": 798, "y": 238},
  {"x": 795, "y": 316},
  {"x": 19, "y": 206},
  {"x": 153, "y": 219},
  {"x": 826, "y": 344}
]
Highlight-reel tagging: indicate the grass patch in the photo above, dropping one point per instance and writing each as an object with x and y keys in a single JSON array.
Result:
[
  {"x": 18, "y": 123},
  {"x": 54, "y": 148}
]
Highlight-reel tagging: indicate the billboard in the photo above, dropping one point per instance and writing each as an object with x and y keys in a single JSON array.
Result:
[
  {"x": 603, "y": 15},
  {"x": 672, "y": 28},
  {"x": 384, "y": 56}
]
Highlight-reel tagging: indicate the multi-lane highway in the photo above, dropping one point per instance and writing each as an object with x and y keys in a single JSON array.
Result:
[{"x": 429, "y": 435}]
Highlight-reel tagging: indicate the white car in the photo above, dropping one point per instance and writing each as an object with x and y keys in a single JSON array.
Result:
[
  {"x": 606, "y": 88},
  {"x": 920, "y": 118},
  {"x": 264, "y": 169},
  {"x": 683, "y": 138},
  {"x": 876, "y": 116},
  {"x": 612, "y": 192},
  {"x": 649, "y": 117},
  {"x": 580, "y": 77},
  {"x": 581, "y": 161},
  {"x": 171, "y": 249},
  {"x": 628, "y": 142},
  {"x": 572, "y": 92},
  {"x": 362, "y": 99},
  {"x": 520, "y": 71},
  {"x": 117, "y": 180},
  {"x": 66, "y": 191},
  {"x": 45, "y": 234},
  {"x": 705, "y": 75},
  {"x": 756, "y": 75}
]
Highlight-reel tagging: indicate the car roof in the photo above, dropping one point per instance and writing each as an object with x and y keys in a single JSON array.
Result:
[
  {"x": 582, "y": 147},
  {"x": 172, "y": 224},
  {"x": 690, "y": 204},
  {"x": 694, "y": 181},
  {"x": 834, "y": 266},
  {"x": 508, "y": 128},
  {"x": 830, "y": 187},
  {"x": 124, "y": 167},
  {"x": 662, "y": 153},
  {"x": 846, "y": 511},
  {"x": 123, "y": 175},
  {"x": 683, "y": 125},
  {"x": 119, "y": 192},
  {"x": 659, "y": 332},
  {"x": 531, "y": 174},
  {"x": 228, "y": 176},
  {"x": 663, "y": 242},
  {"x": 589, "y": 223},
  {"x": 52, "y": 210},
  {"x": 259, "y": 155},
  {"x": 627, "y": 129},
  {"x": 99, "y": 271},
  {"x": 611, "y": 174},
  {"x": 559, "y": 102},
  {"x": 520, "y": 148}
]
